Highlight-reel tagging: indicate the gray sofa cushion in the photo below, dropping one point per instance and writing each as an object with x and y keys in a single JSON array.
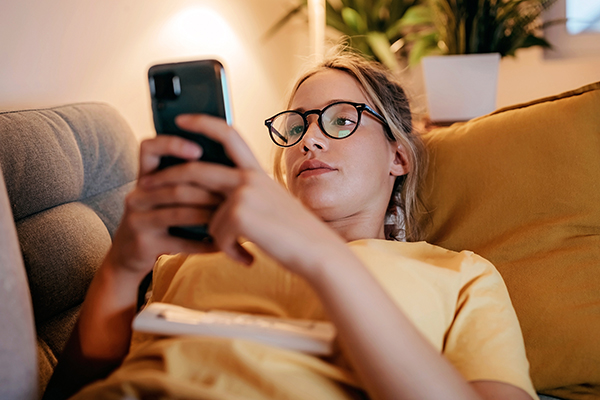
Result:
[{"x": 67, "y": 170}]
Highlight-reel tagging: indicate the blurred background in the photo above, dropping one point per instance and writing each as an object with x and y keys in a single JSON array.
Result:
[{"x": 65, "y": 51}]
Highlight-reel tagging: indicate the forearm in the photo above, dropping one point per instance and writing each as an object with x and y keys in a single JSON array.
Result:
[
  {"x": 389, "y": 354},
  {"x": 101, "y": 337}
]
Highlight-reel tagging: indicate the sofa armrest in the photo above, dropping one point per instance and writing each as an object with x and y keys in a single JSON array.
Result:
[{"x": 18, "y": 366}]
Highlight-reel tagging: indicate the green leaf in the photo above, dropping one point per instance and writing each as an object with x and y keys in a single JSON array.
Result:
[
  {"x": 423, "y": 46},
  {"x": 398, "y": 8},
  {"x": 417, "y": 15},
  {"x": 334, "y": 19},
  {"x": 362, "y": 7},
  {"x": 380, "y": 45},
  {"x": 416, "y": 18},
  {"x": 354, "y": 20}
]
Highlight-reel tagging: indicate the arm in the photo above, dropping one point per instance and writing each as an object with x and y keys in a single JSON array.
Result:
[
  {"x": 100, "y": 339},
  {"x": 101, "y": 335}
]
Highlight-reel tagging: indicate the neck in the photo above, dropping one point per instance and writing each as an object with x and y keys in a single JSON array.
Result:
[{"x": 356, "y": 227}]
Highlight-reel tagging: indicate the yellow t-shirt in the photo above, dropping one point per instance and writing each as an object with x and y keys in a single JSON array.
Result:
[{"x": 457, "y": 300}]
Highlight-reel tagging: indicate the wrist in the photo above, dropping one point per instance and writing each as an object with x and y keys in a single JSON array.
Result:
[
  {"x": 124, "y": 268},
  {"x": 120, "y": 277}
]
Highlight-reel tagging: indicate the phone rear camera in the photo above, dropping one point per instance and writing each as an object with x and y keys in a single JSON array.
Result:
[{"x": 165, "y": 86}]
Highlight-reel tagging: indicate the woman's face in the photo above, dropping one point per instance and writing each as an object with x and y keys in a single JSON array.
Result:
[{"x": 341, "y": 179}]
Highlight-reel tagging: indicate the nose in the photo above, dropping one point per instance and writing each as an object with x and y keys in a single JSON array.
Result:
[{"x": 314, "y": 138}]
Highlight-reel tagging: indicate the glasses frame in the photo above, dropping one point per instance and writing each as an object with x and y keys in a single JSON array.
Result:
[{"x": 360, "y": 107}]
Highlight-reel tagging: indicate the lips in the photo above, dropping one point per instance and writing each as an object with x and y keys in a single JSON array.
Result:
[{"x": 314, "y": 165}]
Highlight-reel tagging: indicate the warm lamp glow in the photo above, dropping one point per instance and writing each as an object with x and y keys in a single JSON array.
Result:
[{"x": 200, "y": 29}]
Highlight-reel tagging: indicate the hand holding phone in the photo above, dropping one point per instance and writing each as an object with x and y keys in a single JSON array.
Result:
[{"x": 194, "y": 87}]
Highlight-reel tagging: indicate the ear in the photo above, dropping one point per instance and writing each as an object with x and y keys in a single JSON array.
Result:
[{"x": 400, "y": 164}]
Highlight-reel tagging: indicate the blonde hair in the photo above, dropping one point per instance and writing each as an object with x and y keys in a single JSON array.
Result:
[{"x": 390, "y": 100}]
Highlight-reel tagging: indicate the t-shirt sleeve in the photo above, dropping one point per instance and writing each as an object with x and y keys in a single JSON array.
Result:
[{"x": 485, "y": 341}]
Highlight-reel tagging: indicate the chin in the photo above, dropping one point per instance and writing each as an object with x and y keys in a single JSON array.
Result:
[{"x": 323, "y": 206}]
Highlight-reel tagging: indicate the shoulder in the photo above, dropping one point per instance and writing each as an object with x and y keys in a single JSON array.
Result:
[{"x": 464, "y": 262}]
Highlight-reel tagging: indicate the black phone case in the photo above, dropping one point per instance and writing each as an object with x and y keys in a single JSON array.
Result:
[{"x": 202, "y": 88}]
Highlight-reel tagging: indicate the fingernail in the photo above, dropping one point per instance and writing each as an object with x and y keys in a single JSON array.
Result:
[{"x": 192, "y": 150}]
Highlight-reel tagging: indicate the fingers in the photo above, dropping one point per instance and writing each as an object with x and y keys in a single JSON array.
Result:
[
  {"x": 191, "y": 193},
  {"x": 151, "y": 150},
  {"x": 162, "y": 219},
  {"x": 211, "y": 177},
  {"x": 181, "y": 195},
  {"x": 143, "y": 235},
  {"x": 218, "y": 130}
]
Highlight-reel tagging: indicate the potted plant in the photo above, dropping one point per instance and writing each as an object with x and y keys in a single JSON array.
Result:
[
  {"x": 374, "y": 28},
  {"x": 461, "y": 43}
]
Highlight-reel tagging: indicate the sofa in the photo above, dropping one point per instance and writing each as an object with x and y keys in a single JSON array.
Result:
[
  {"x": 520, "y": 186},
  {"x": 64, "y": 173}
]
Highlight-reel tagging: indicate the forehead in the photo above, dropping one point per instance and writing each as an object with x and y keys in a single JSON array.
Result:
[{"x": 325, "y": 86}]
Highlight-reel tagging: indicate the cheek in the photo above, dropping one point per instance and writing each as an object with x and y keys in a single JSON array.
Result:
[
  {"x": 374, "y": 156},
  {"x": 287, "y": 161}
]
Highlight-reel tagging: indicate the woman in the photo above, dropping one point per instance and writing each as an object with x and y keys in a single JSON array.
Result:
[{"x": 349, "y": 158}]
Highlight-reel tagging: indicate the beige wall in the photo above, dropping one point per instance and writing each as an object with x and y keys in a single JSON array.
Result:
[
  {"x": 62, "y": 51},
  {"x": 531, "y": 75}
]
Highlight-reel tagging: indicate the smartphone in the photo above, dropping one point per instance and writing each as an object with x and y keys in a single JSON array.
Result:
[{"x": 190, "y": 87}]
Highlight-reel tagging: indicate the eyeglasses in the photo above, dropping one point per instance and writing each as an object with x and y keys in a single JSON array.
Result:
[{"x": 338, "y": 121}]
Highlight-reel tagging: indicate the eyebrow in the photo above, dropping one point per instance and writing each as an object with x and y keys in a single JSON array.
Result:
[{"x": 302, "y": 109}]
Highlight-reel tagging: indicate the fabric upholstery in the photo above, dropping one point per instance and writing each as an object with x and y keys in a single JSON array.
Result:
[
  {"x": 67, "y": 170},
  {"x": 18, "y": 366},
  {"x": 521, "y": 187}
]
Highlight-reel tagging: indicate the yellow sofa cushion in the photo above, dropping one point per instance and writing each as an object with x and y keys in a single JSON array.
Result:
[{"x": 521, "y": 187}]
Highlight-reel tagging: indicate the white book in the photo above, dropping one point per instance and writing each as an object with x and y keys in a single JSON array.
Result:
[{"x": 307, "y": 336}]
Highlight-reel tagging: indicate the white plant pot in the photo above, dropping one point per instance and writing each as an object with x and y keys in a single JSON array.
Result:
[{"x": 460, "y": 87}]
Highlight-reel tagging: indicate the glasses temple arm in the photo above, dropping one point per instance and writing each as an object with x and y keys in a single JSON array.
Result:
[
  {"x": 386, "y": 126},
  {"x": 279, "y": 135}
]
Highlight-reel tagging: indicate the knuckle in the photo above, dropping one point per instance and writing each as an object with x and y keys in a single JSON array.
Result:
[
  {"x": 145, "y": 144},
  {"x": 249, "y": 177},
  {"x": 131, "y": 200},
  {"x": 179, "y": 215},
  {"x": 244, "y": 194},
  {"x": 178, "y": 192},
  {"x": 237, "y": 215},
  {"x": 174, "y": 145}
]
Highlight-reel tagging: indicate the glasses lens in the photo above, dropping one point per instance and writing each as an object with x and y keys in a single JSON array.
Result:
[
  {"x": 340, "y": 120},
  {"x": 287, "y": 128}
]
